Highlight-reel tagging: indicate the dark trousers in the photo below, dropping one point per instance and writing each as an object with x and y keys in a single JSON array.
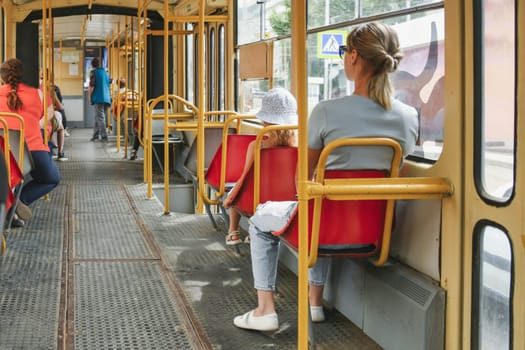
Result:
[{"x": 46, "y": 177}]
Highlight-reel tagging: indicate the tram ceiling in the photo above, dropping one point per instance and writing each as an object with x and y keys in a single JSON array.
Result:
[{"x": 95, "y": 23}]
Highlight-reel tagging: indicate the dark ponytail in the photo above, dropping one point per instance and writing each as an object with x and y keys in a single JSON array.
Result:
[{"x": 11, "y": 73}]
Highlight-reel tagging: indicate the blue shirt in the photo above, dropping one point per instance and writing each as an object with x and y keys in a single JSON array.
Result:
[{"x": 100, "y": 81}]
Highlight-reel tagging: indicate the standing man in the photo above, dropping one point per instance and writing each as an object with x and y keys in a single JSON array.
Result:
[{"x": 99, "y": 94}]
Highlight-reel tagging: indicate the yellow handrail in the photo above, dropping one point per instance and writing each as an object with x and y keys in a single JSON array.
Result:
[
  {"x": 201, "y": 142},
  {"x": 168, "y": 114}
]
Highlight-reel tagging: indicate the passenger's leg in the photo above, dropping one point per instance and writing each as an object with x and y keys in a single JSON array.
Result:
[
  {"x": 264, "y": 251},
  {"x": 234, "y": 236},
  {"x": 46, "y": 177},
  {"x": 64, "y": 120},
  {"x": 136, "y": 144},
  {"x": 100, "y": 119},
  {"x": 317, "y": 277},
  {"x": 95, "y": 124}
]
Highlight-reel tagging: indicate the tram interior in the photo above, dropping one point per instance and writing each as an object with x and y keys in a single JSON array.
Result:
[{"x": 100, "y": 265}]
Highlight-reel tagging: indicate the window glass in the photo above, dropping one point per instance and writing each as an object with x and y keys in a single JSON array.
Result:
[
  {"x": 248, "y": 21},
  {"x": 419, "y": 80},
  {"x": 190, "y": 65},
  {"x": 375, "y": 7},
  {"x": 324, "y": 12},
  {"x": 496, "y": 96},
  {"x": 222, "y": 69},
  {"x": 491, "y": 329},
  {"x": 252, "y": 92},
  {"x": 211, "y": 71},
  {"x": 2, "y": 36},
  {"x": 282, "y": 53},
  {"x": 196, "y": 85},
  {"x": 262, "y": 19}
]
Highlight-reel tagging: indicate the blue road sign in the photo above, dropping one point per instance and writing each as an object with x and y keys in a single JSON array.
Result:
[{"x": 329, "y": 42}]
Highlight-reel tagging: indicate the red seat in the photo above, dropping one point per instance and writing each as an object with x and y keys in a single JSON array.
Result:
[
  {"x": 4, "y": 189},
  {"x": 347, "y": 227},
  {"x": 16, "y": 175},
  {"x": 235, "y": 159},
  {"x": 277, "y": 180}
]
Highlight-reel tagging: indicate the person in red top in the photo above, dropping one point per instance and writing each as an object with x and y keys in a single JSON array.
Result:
[{"x": 17, "y": 97}]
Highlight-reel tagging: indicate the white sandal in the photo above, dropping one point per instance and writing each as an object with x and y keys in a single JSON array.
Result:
[{"x": 233, "y": 238}]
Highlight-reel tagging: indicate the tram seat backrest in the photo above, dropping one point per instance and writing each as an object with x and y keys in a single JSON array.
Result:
[
  {"x": 347, "y": 227},
  {"x": 213, "y": 139},
  {"x": 277, "y": 180},
  {"x": 14, "y": 144},
  {"x": 16, "y": 175},
  {"x": 4, "y": 190},
  {"x": 235, "y": 159}
]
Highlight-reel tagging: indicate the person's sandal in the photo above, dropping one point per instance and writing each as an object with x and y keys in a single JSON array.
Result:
[{"x": 233, "y": 238}]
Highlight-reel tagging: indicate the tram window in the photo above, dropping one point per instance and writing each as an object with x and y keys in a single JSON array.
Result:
[
  {"x": 282, "y": 63},
  {"x": 2, "y": 35},
  {"x": 222, "y": 69},
  {"x": 495, "y": 91},
  {"x": 374, "y": 7},
  {"x": 492, "y": 288},
  {"x": 419, "y": 81},
  {"x": 196, "y": 86},
  {"x": 211, "y": 70},
  {"x": 262, "y": 19},
  {"x": 254, "y": 89},
  {"x": 190, "y": 65},
  {"x": 252, "y": 92},
  {"x": 334, "y": 11}
]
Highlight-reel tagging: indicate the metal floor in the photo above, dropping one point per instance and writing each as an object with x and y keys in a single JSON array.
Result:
[{"x": 99, "y": 267}]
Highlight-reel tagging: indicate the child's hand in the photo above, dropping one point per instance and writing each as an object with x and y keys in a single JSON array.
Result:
[{"x": 227, "y": 203}]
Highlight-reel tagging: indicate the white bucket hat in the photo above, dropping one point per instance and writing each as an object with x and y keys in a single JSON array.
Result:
[{"x": 278, "y": 107}]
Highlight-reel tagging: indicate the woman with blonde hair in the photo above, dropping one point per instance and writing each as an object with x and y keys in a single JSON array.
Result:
[{"x": 371, "y": 53}]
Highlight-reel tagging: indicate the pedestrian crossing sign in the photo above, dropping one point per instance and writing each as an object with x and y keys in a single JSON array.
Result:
[{"x": 328, "y": 43}]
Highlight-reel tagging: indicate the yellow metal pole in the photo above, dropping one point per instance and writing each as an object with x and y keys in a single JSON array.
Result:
[
  {"x": 126, "y": 71},
  {"x": 60, "y": 63},
  {"x": 166, "y": 131},
  {"x": 148, "y": 130},
  {"x": 44, "y": 66},
  {"x": 143, "y": 74},
  {"x": 118, "y": 102},
  {"x": 200, "y": 120},
  {"x": 299, "y": 86}
]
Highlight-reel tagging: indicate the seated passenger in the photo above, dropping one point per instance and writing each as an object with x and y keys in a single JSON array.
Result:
[
  {"x": 16, "y": 97},
  {"x": 60, "y": 108},
  {"x": 279, "y": 107},
  {"x": 370, "y": 54},
  {"x": 120, "y": 98},
  {"x": 55, "y": 125}
]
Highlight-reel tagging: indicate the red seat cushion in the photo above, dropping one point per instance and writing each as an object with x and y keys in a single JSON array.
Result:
[{"x": 344, "y": 224}]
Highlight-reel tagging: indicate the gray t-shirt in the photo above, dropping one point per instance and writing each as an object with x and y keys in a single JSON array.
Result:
[{"x": 357, "y": 116}]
